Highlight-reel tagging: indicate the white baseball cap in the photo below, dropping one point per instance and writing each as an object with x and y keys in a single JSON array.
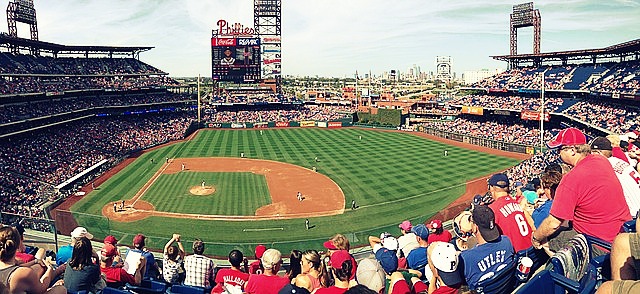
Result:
[
  {"x": 390, "y": 242},
  {"x": 445, "y": 259},
  {"x": 80, "y": 232}
]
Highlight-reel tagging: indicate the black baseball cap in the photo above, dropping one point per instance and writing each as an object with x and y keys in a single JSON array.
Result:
[
  {"x": 601, "y": 143},
  {"x": 485, "y": 219},
  {"x": 499, "y": 180}
]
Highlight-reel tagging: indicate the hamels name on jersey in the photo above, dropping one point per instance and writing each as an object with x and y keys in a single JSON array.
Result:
[
  {"x": 510, "y": 208},
  {"x": 492, "y": 259}
]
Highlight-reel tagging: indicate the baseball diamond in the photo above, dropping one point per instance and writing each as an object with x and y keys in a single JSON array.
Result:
[{"x": 402, "y": 170}]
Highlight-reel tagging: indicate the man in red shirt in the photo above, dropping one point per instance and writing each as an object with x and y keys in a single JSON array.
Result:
[
  {"x": 117, "y": 276},
  {"x": 509, "y": 214},
  {"x": 233, "y": 277},
  {"x": 256, "y": 266},
  {"x": 268, "y": 282},
  {"x": 590, "y": 195}
]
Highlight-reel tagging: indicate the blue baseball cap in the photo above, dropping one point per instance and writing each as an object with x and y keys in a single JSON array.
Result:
[
  {"x": 499, "y": 180},
  {"x": 421, "y": 231},
  {"x": 387, "y": 259}
]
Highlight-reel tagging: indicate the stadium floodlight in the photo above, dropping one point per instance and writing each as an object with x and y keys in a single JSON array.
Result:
[{"x": 22, "y": 11}]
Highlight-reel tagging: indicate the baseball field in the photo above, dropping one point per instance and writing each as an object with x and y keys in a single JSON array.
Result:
[{"x": 235, "y": 203}]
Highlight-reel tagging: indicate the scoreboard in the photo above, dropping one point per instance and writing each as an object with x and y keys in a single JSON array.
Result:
[{"x": 235, "y": 59}]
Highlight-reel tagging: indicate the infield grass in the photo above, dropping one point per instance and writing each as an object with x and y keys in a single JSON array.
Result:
[{"x": 392, "y": 176}]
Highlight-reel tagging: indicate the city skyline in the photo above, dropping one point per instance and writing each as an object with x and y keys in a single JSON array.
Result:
[{"x": 335, "y": 38}]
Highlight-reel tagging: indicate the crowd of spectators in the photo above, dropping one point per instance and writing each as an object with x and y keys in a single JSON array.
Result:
[
  {"x": 56, "y": 84},
  {"x": 622, "y": 78},
  {"x": 302, "y": 114},
  {"x": 30, "y": 110},
  {"x": 29, "y": 64},
  {"x": 499, "y": 129},
  {"x": 254, "y": 98},
  {"x": 510, "y": 102},
  {"x": 606, "y": 115}
]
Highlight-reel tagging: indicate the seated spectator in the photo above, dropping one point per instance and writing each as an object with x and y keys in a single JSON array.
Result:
[
  {"x": 82, "y": 274},
  {"x": 492, "y": 253},
  {"x": 256, "y": 266},
  {"x": 443, "y": 264},
  {"x": 371, "y": 274},
  {"x": 407, "y": 241},
  {"x": 268, "y": 282},
  {"x": 341, "y": 268},
  {"x": 384, "y": 249},
  {"x": 399, "y": 284},
  {"x": 314, "y": 268},
  {"x": 198, "y": 268},
  {"x": 590, "y": 196},
  {"x": 232, "y": 280},
  {"x": 625, "y": 265},
  {"x": 22, "y": 279},
  {"x": 118, "y": 276},
  {"x": 117, "y": 260},
  {"x": 295, "y": 267},
  {"x": 509, "y": 216},
  {"x": 172, "y": 261},
  {"x": 152, "y": 270},
  {"x": 65, "y": 252},
  {"x": 437, "y": 232},
  {"x": 417, "y": 258},
  {"x": 550, "y": 181},
  {"x": 340, "y": 243}
]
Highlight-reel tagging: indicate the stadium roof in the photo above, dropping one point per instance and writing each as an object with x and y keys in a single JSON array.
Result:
[
  {"x": 21, "y": 43},
  {"x": 622, "y": 49}
]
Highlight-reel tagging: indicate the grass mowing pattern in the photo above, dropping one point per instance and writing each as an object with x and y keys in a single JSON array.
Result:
[
  {"x": 238, "y": 193},
  {"x": 392, "y": 176}
]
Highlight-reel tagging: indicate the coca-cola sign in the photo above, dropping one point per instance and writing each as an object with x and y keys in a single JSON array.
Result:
[
  {"x": 223, "y": 42},
  {"x": 235, "y": 30},
  {"x": 533, "y": 115}
]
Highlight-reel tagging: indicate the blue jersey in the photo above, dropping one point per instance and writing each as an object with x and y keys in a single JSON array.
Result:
[
  {"x": 486, "y": 260},
  {"x": 540, "y": 213},
  {"x": 417, "y": 259}
]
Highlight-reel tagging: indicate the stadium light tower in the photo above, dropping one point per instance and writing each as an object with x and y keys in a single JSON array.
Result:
[
  {"x": 524, "y": 15},
  {"x": 22, "y": 11},
  {"x": 267, "y": 18}
]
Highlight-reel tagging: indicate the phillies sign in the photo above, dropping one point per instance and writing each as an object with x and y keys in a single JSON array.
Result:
[{"x": 232, "y": 30}]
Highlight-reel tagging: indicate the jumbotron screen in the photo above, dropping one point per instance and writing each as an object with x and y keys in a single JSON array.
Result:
[{"x": 235, "y": 59}]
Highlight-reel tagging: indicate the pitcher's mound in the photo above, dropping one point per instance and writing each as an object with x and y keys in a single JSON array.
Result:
[{"x": 202, "y": 191}]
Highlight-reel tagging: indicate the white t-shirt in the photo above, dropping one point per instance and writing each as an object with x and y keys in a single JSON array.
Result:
[
  {"x": 406, "y": 243},
  {"x": 630, "y": 180}
]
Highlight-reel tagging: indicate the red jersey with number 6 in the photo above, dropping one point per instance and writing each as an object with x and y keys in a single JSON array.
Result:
[{"x": 510, "y": 219}]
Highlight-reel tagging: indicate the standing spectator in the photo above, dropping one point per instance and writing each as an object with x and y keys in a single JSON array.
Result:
[
  {"x": 152, "y": 271},
  {"x": 22, "y": 279},
  {"x": 407, "y": 241},
  {"x": 627, "y": 175},
  {"x": 493, "y": 253},
  {"x": 508, "y": 213},
  {"x": 231, "y": 278},
  {"x": 65, "y": 252},
  {"x": 590, "y": 195},
  {"x": 81, "y": 273},
  {"x": 256, "y": 266},
  {"x": 172, "y": 261},
  {"x": 437, "y": 232},
  {"x": 117, "y": 276},
  {"x": 295, "y": 268},
  {"x": 199, "y": 268},
  {"x": 269, "y": 282}
]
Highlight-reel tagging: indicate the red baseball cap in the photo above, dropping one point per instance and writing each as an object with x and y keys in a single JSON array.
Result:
[
  {"x": 568, "y": 137},
  {"x": 329, "y": 245},
  {"x": 435, "y": 224},
  {"x": 260, "y": 249},
  {"x": 139, "y": 239},
  {"x": 111, "y": 240},
  {"x": 109, "y": 250},
  {"x": 338, "y": 258}
]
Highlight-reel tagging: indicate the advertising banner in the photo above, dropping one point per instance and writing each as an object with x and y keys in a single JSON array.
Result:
[
  {"x": 282, "y": 124},
  {"x": 335, "y": 124},
  {"x": 306, "y": 124},
  {"x": 472, "y": 110},
  {"x": 322, "y": 124},
  {"x": 238, "y": 125},
  {"x": 533, "y": 115},
  {"x": 261, "y": 125},
  {"x": 215, "y": 125}
]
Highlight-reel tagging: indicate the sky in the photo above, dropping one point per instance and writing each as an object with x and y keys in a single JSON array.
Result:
[{"x": 334, "y": 38}]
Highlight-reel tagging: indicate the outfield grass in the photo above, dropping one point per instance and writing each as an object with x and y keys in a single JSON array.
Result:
[{"x": 392, "y": 176}]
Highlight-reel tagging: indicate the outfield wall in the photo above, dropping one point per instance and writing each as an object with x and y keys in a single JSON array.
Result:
[
  {"x": 345, "y": 122},
  {"x": 484, "y": 142}
]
